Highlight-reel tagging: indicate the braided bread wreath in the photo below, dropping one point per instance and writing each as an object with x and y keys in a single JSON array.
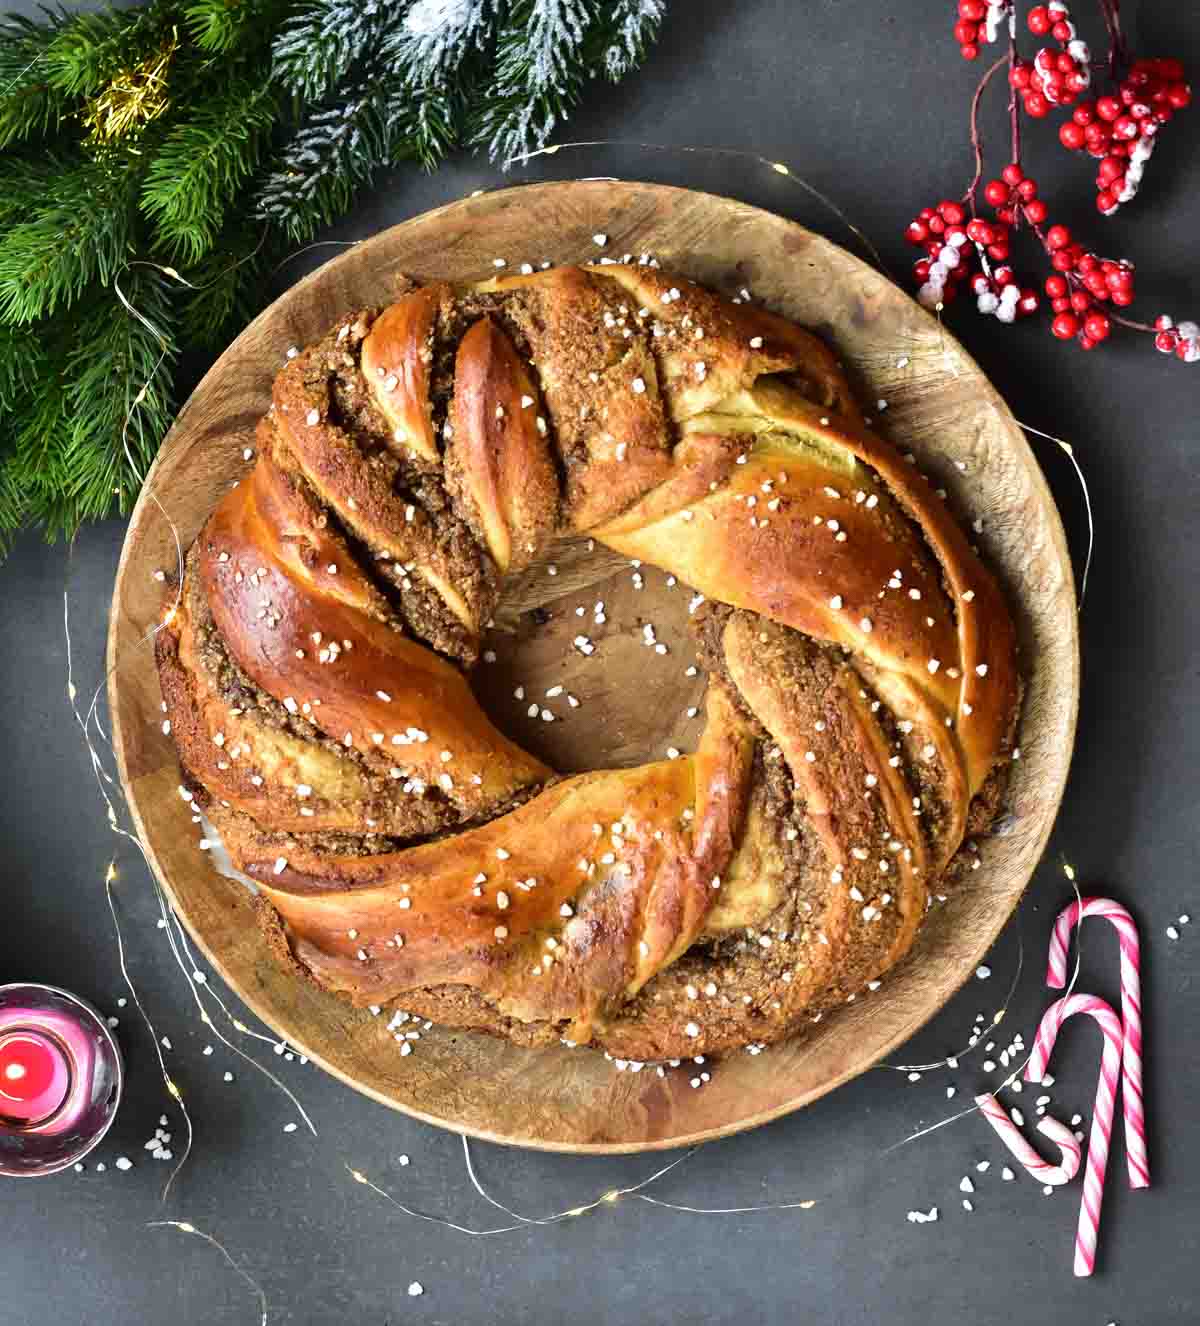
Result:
[{"x": 862, "y": 682}]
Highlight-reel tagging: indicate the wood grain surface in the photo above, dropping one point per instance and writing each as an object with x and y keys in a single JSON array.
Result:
[{"x": 633, "y": 701}]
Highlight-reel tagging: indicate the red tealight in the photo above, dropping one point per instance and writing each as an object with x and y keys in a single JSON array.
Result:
[{"x": 34, "y": 1076}]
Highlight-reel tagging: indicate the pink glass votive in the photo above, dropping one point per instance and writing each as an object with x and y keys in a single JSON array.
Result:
[{"x": 60, "y": 1079}]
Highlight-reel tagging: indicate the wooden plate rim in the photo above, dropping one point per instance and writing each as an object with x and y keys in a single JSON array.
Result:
[{"x": 144, "y": 509}]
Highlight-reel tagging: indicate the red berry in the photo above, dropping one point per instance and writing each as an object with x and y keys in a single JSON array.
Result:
[
  {"x": 1038, "y": 19},
  {"x": 1065, "y": 326},
  {"x": 1120, "y": 278},
  {"x": 1084, "y": 113},
  {"x": 1062, "y": 261},
  {"x": 996, "y": 192},
  {"x": 1071, "y": 135},
  {"x": 975, "y": 10},
  {"x": 1028, "y": 303},
  {"x": 1012, "y": 174},
  {"x": 1061, "y": 31},
  {"x": 980, "y": 285},
  {"x": 1036, "y": 211},
  {"x": 1080, "y": 301},
  {"x": 1122, "y": 298},
  {"x": 969, "y": 52},
  {"x": 952, "y": 213},
  {"x": 1061, "y": 305},
  {"x": 1088, "y": 263},
  {"x": 1037, "y": 106},
  {"x": 1180, "y": 96},
  {"x": 965, "y": 31},
  {"x": 1006, "y": 215},
  {"x": 998, "y": 252},
  {"x": 1020, "y": 75},
  {"x": 1027, "y": 190},
  {"x": 1106, "y": 201},
  {"x": 1056, "y": 286},
  {"x": 1166, "y": 341},
  {"x": 1097, "y": 326},
  {"x": 1096, "y": 284},
  {"x": 1125, "y": 126},
  {"x": 1057, "y": 237},
  {"x": 1110, "y": 168},
  {"x": 1163, "y": 322},
  {"x": 1076, "y": 83},
  {"x": 1108, "y": 108},
  {"x": 979, "y": 232},
  {"x": 1086, "y": 343},
  {"x": 921, "y": 270},
  {"x": 917, "y": 233},
  {"x": 936, "y": 225}
]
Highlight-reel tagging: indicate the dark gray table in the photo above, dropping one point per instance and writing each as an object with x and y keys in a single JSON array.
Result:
[{"x": 870, "y": 104}]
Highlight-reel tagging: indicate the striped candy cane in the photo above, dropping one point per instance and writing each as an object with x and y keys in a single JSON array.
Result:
[
  {"x": 1131, "y": 1016},
  {"x": 1014, "y": 1139},
  {"x": 1102, "y": 1113}
]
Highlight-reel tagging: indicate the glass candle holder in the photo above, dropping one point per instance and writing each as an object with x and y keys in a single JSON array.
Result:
[{"x": 60, "y": 1079}]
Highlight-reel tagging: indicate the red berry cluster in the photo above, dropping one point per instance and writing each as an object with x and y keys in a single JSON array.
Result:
[
  {"x": 1058, "y": 77},
  {"x": 957, "y": 248},
  {"x": 941, "y": 232},
  {"x": 1081, "y": 281},
  {"x": 1120, "y": 130},
  {"x": 1182, "y": 339},
  {"x": 977, "y": 22}
]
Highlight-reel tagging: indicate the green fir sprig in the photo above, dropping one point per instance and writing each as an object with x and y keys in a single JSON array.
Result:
[{"x": 157, "y": 162}]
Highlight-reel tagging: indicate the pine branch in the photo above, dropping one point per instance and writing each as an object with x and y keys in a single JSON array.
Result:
[
  {"x": 117, "y": 370},
  {"x": 32, "y": 474},
  {"x": 29, "y": 107},
  {"x": 628, "y": 34},
  {"x": 79, "y": 229},
  {"x": 325, "y": 44},
  {"x": 429, "y": 43},
  {"x": 23, "y": 362},
  {"x": 337, "y": 150},
  {"x": 228, "y": 289},
  {"x": 538, "y": 75},
  {"x": 91, "y": 47},
  {"x": 224, "y": 25},
  {"x": 197, "y": 172}
]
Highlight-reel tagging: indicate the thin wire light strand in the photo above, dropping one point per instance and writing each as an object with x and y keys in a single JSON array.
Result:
[
  {"x": 172, "y": 1089},
  {"x": 186, "y": 1227},
  {"x": 1069, "y": 871},
  {"x": 778, "y": 167},
  {"x": 997, "y": 1018},
  {"x": 1087, "y": 501},
  {"x": 607, "y": 1198}
]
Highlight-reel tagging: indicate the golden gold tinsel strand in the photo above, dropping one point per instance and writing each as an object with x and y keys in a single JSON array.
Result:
[{"x": 132, "y": 98}]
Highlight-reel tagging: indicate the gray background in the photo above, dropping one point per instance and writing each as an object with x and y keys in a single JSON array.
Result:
[{"x": 870, "y": 103}]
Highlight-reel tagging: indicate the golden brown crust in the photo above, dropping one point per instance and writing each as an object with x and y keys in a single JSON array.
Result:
[
  {"x": 397, "y": 355},
  {"x": 862, "y": 692},
  {"x": 498, "y": 461}
]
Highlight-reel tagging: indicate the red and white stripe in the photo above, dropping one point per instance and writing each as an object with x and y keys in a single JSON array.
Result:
[
  {"x": 1131, "y": 1016},
  {"x": 1014, "y": 1139},
  {"x": 1102, "y": 1113}
]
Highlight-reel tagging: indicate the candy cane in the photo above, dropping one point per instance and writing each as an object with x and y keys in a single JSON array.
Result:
[
  {"x": 1131, "y": 1016},
  {"x": 1102, "y": 1113},
  {"x": 1014, "y": 1139}
]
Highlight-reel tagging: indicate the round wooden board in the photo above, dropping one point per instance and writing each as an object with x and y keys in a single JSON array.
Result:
[{"x": 633, "y": 701}]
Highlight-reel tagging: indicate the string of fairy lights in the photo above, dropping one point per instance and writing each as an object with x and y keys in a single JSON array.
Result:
[{"x": 201, "y": 989}]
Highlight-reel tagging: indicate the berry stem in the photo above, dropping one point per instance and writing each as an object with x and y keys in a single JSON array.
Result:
[
  {"x": 976, "y": 137},
  {"x": 1014, "y": 115},
  {"x": 1118, "y": 50}
]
